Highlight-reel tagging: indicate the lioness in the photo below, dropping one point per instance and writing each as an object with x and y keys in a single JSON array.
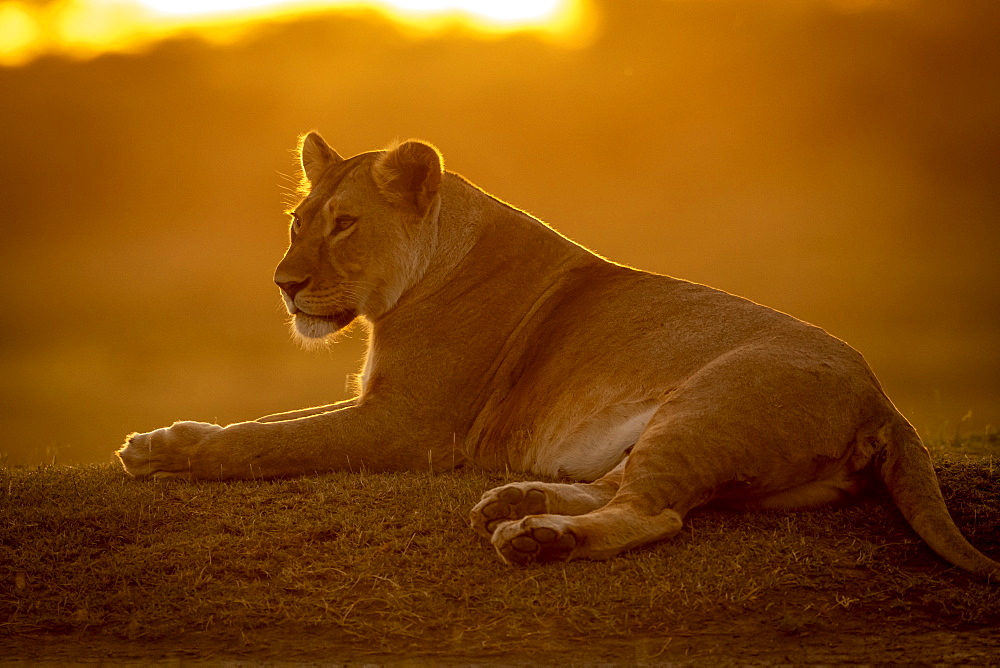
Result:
[{"x": 489, "y": 344}]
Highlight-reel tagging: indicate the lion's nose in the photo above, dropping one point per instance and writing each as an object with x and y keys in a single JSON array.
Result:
[{"x": 291, "y": 288}]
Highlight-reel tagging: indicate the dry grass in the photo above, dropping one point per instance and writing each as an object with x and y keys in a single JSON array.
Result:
[{"x": 355, "y": 564}]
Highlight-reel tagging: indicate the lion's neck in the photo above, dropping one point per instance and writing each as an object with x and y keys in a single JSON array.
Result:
[
  {"x": 493, "y": 271},
  {"x": 487, "y": 225},
  {"x": 478, "y": 235}
]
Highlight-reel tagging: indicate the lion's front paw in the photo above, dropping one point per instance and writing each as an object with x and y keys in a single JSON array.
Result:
[
  {"x": 165, "y": 452},
  {"x": 505, "y": 504},
  {"x": 544, "y": 538}
]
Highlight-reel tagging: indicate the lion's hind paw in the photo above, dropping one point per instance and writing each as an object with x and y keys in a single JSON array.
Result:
[
  {"x": 535, "y": 539},
  {"x": 506, "y": 504}
]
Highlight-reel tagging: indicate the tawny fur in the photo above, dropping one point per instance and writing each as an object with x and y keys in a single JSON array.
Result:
[{"x": 496, "y": 342}]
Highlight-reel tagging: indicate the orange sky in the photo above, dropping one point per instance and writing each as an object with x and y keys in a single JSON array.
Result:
[
  {"x": 834, "y": 160},
  {"x": 85, "y": 28}
]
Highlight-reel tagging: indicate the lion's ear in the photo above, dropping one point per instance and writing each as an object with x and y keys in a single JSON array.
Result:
[
  {"x": 410, "y": 174},
  {"x": 316, "y": 155}
]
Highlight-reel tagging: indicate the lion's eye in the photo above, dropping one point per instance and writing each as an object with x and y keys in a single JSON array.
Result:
[
  {"x": 296, "y": 223},
  {"x": 345, "y": 221}
]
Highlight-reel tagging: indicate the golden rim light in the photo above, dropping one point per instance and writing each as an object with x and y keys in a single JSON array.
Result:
[{"x": 85, "y": 28}]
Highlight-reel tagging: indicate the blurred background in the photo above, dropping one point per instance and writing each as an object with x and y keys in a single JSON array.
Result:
[{"x": 837, "y": 160}]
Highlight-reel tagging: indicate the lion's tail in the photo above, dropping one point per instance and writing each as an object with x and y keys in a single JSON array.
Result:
[{"x": 909, "y": 475}]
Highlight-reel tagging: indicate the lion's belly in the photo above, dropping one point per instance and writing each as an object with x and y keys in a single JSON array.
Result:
[{"x": 594, "y": 445}]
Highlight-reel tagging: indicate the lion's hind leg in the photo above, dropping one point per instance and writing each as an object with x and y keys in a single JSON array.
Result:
[
  {"x": 671, "y": 470},
  {"x": 520, "y": 499},
  {"x": 639, "y": 513},
  {"x": 600, "y": 534},
  {"x": 636, "y": 515},
  {"x": 813, "y": 494}
]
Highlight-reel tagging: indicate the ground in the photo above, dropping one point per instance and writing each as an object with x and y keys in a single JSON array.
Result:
[{"x": 360, "y": 568}]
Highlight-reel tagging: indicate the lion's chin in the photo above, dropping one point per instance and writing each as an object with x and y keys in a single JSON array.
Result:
[{"x": 311, "y": 329}]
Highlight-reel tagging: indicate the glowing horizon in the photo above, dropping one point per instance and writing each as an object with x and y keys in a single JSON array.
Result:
[{"x": 87, "y": 28}]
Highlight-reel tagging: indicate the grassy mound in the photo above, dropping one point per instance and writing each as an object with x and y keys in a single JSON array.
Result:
[{"x": 352, "y": 565}]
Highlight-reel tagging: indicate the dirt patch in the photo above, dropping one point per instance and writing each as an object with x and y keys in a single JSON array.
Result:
[{"x": 745, "y": 644}]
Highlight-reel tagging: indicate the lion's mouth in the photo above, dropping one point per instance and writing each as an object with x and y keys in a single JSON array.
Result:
[{"x": 341, "y": 318}]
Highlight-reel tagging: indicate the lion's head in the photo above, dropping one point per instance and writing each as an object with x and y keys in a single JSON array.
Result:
[{"x": 363, "y": 233}]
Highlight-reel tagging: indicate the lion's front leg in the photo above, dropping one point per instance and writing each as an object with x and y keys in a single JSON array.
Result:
[
  {"x": 348, "y": 439},
  {"x": 307, "y": 412},
  {"x": 245, "y": 450}
]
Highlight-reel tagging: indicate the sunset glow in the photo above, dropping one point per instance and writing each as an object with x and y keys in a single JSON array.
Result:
[{"x": 85, "y": 28}]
